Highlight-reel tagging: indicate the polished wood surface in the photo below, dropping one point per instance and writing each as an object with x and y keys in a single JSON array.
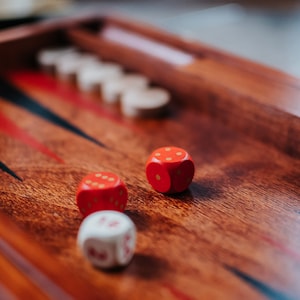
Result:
[
  {"x": 27, "y": 271},
  {"x": 234, "y": 234},
  {"x": 217, "y": 85}
]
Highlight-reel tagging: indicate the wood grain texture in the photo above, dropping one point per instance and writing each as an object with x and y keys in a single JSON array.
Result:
[
  {"x": 270, "y": 107},
  {"x": 27, "y": 273},
  {"x": 234, "y": 234}
]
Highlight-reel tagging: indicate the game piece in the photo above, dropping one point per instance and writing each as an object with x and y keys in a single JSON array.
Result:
[
  {"x": 170, "y": 170},
  {"x": 68, "y": 65},
  {"x": 107, "y": 239},
  {"x": 150, "y": 102},
  {"x": 101, "y": 191},
  {"x": 112, "y": 89},
  {"x": 63, "y": 63},
  {"x": 47, "y": 58},
  {"x": 90, "y": 78}
]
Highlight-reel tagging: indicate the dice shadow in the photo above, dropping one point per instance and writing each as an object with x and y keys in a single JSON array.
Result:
[
  {"x": 203, "y": 191},
  {"x": 147, "y": 267},
  {"x": 143, "y": 266}
]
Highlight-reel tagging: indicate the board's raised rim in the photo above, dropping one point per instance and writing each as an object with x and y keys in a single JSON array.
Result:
[{"x": 261, "y": 110}]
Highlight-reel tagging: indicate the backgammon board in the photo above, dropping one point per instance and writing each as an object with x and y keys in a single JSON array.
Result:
[{"x": 234, "y": 234}]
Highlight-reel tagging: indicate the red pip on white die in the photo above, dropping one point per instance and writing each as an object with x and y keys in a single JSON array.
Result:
[
  {"x": 101, "y": 191},
  {"x": 107, "y": 239}
]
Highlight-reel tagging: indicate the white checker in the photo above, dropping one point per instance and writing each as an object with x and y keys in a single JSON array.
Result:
[
  {"x": 47, "y": 58},
  {"x": 113, "y": 89},
  {"x": 149, "y": 102},
  {"x": 68, "y": 65},
  {"x": 90, "y": 78},
  {"x": 87, "y": 57},
  {"x": 107, "y": 239},
  {"x": 65, "y": 63}
]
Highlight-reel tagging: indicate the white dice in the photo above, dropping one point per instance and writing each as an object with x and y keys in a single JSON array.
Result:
[{"x": 107, "y": 239}]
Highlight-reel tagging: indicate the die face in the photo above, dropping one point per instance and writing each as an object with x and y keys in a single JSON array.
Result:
[
  {"x": 87, "y": 202},
  {"x": 170, "y": 170},
  {"x": 118, "y": 198},
  {"x": 182, "y": 176},
  {"x": 96, "y": 200},
  {"x": 158, "y": 176},
  {"x": 170, "y": 155},
  {"x": 109, "y": 224},
  {"x": 107, "y": 239},
  {"x": 101, "y": 191},
  {"x": 102, "y": 180},
  {"x": 126, "y": 246},
  {"x": 101, "y": 254}
]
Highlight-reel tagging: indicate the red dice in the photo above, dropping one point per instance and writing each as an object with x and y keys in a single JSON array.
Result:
[
  {"x": 170, "y": 170},
  {"x": 101, "y": 191}
]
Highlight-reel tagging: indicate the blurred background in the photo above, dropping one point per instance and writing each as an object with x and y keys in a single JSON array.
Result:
[{"x": 267, "y": 32}]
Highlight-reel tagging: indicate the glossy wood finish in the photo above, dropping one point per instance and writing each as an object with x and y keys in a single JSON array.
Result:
[
  {"x": 224, "y": 88},
  {"x": 27, "y": 271},
  {"x": 234, "y": 234}
]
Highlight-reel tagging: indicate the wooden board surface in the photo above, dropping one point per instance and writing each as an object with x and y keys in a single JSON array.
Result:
[{"x": 234, "y": 234}]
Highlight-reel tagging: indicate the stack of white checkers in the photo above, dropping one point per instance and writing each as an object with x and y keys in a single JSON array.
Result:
[{"x": 131, "y": 90}]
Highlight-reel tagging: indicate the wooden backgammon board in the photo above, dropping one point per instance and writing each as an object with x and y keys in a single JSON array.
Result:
[{"x": 234, "y": 234}]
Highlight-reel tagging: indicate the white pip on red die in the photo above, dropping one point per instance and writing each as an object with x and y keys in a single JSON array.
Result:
[
  {"x": 101, "y": 191},
  {"x": 170, "y": 169},
  {"x": 107, "y": 239}
]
